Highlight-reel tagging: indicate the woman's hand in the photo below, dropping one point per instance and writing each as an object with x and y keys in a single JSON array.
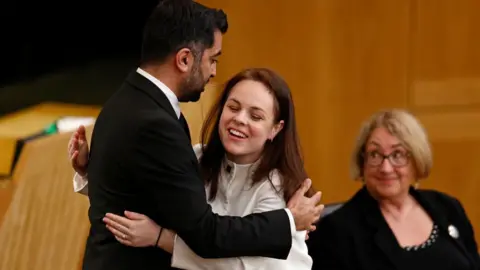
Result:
[
  {"x": 78, "y": 151},
  {"x": 167, "y": 240},
  {"x": 135, "y": 230}
]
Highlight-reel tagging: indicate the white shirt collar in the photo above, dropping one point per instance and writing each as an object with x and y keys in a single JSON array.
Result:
[{"x": 167, "y": 91}]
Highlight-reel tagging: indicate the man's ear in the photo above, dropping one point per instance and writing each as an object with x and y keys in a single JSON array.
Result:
[
  {"x": 276, "y": 129},
  {"x": 184, "y": 59}
]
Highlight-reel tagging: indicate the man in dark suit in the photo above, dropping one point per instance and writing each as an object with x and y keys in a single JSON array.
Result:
[{"x": 141, "y": 157}]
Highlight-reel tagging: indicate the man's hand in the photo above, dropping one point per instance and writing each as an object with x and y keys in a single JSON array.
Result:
[
  {"x": 78, "y": 151},
  {"x": 306, "y": 211}
]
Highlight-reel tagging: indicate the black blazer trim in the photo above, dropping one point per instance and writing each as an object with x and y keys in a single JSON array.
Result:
[
  {"x": 145, "y": 85},
  {"x": 385, "y": 238}
]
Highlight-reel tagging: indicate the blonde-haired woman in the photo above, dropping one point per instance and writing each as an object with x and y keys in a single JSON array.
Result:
[{"x": 389, "y": 224}]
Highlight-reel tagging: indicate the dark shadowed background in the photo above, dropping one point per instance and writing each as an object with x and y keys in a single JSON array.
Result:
[{"x": 77, "y": 52}]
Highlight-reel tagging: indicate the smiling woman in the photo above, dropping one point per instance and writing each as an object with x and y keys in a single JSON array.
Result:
[
  {"x": 254, "y": 116},
  {"x": 248, "y": 120}
]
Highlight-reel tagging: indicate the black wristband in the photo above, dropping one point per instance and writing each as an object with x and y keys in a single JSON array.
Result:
[{"x": 158, "y": 238}]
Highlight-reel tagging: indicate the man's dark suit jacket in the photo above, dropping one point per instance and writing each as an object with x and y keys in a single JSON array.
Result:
[
  {"x": 356, "y": 236},
  {"x": 141, "y": 159}
]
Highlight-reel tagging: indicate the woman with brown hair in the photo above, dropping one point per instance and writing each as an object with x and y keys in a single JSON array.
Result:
[{"x": 251, "y": 162}]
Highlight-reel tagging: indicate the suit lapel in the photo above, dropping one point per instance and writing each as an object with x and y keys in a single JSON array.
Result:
[
  {"x": 146, "y": 86},
  {"x": 184, "y": 123},
  {"x": 143, "y": 84},
  {"x": 382, "y": 234},
  {"x": 386, "y": 241},
  {"x": 440, "y": 217}
]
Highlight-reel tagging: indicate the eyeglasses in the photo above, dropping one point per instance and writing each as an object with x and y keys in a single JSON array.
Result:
[{"x": 396, "y": 158}]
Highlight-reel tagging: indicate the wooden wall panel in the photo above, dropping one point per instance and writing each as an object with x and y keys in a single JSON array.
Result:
[
  {"x": 445, "y": 94},
  {"x": 452, "y": 126},
  {"x": 342, "y": 59}
]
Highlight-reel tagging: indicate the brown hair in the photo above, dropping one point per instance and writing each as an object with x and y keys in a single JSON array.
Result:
[{"x": 283, "y": 153}]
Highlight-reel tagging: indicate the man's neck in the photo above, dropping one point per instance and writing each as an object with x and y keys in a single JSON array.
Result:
[{"x": 162, "y": 74}]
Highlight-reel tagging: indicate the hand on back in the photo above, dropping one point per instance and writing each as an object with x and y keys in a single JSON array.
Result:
[
  {"x": 306, "y": 211},
  {"x": 78, "y": 151}
]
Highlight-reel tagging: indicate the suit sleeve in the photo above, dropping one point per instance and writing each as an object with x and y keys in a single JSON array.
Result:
[
  {"x": 80, "y": 183},
  {"x": 329, "y": 247},
  {"x": 163, "y": 166}
]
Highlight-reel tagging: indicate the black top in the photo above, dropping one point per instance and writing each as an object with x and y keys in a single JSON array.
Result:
[
  {"x": 438, "y": 253},
  {"x": 357, "y": 237},
  {"x": 142, "y": 160}
]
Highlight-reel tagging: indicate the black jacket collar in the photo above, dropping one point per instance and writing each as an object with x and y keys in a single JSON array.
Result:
[
  {"x": 143, "y": 84},
  {"x": 384, "y": 237}
]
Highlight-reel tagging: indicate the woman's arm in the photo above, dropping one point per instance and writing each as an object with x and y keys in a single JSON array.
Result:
[
  {"x": 78, "y": 155},
  {"x": 78, "y": 150},
  {"x": 269, "y": 199}
]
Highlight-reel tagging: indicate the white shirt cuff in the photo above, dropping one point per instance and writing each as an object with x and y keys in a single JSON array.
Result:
[
  {"x": 293, "y": 227},
  {"x": 182, "y": 256},
  {"x": 80, "y": 183}
]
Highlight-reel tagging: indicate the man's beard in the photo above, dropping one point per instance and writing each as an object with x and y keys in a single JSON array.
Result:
[{"x": 192, "y": 87}]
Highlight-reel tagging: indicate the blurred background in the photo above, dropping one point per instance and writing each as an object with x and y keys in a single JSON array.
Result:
[{"x": 343, "y": 59}]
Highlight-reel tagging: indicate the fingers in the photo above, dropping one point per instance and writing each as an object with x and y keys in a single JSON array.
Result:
[
  {"x": 127, "y": 223},
  {"x": 73, "y": 146},
  {"x": 81, "y": 132},
  {"x": 125, "y": 242},
  {"x": 73, "y": 158},
  {"x": 302, "y": 190},
  {"x": 135, "y": 216},
  {"x": 306, "y": 186},
  {"x": 319, "y": 209},
  {"x": 122, "y": 238},
  {"x": 315, "y": 199},
  {"x": 117, "y": 229},
  {"x": 74, "y": 136},
  {"x": 309, "y": 230},
  {"x": 315, "y": 217},
  {"x": 120, "y": 223},
  {"x": 116, "y": 232}
]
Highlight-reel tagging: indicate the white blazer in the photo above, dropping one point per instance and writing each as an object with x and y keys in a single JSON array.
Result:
[{"x": 237, "y": 197}]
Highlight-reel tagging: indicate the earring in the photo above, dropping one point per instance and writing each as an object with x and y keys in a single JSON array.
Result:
[{"x": 417, "y": 184}]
